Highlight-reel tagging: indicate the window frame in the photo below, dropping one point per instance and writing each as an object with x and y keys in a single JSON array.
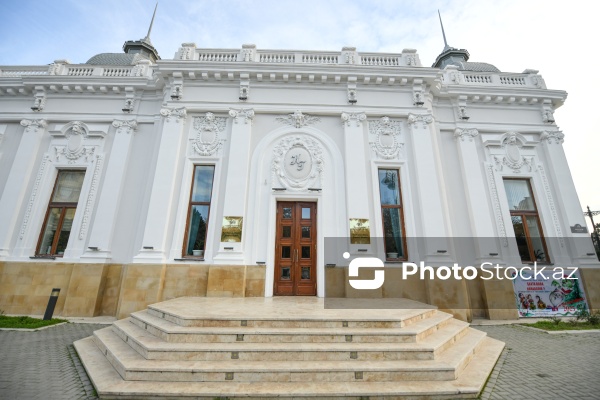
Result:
[
  {"x": 393, "y": 206},
  {"x": 64, "y": 206},
  {"x": 190, "y": 204},
  {"x": 529, "y": 213}
]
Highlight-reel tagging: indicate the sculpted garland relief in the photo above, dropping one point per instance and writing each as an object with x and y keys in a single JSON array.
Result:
[
  {"x": 297, "y": 163},
  {"x": 512, "y": 144},
  {"x": 207, "y": 140},
  {"x": 385, "y": 134},
  {"x": 75, "y": 149}
]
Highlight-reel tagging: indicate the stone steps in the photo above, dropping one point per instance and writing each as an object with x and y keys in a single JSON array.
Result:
[
  {"x": 269, "y": 315},
  {"x": 110, "y": 385},
  {"x": 173, "y": 333},
  {"x": 132, "y": 366},
  {"x": 154, "y": 348},
  {"x": 226, "y": 348}
]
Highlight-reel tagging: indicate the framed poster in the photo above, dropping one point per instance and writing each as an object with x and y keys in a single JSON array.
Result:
[{"x": 553, "y": 296}]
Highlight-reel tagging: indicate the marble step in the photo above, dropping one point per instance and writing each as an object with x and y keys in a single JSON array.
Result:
[
  {"x": 132, "y": 366},
  {"x": 110, "y": 385},
  {"x": 289, "y": 313},
  {"x": 152, "y": 347},
  {"x": 173, "y": 333}
]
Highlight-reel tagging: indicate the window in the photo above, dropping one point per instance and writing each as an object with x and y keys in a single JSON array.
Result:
[
  {"x": 61, "y": 211},
  {"x": 525, "y": 220},
  {"x": 198, "y": 211},
  {"x": 392, "y": 215}
]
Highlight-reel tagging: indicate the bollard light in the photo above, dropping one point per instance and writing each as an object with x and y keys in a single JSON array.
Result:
[{"x": 51, "y": 304}]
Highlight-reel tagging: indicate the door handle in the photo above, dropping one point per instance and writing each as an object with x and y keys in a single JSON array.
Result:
[{"x": 296, "y": 254}]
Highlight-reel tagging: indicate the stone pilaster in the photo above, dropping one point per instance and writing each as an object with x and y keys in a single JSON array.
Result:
[
  {"x": 429, "y": 193},
  {"x": 236, "y": 186},
  {"x": 559, "y": 174},
  {"x": 160, "y": 209},
  {"x": 356, "y": 167},
  {"x": 482, "y": 222},
  {"x": 15, "y": 191},
  {"x": 100, "y": 239}
]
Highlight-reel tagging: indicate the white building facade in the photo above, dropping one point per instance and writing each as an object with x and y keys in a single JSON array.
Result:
[{"x": 130, "y": 180}]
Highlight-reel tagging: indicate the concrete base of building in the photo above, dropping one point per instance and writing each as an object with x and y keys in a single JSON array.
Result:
[{"x": 117, "y": 290}]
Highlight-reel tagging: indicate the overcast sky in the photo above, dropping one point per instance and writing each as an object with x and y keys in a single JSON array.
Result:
[{"x": 558, "y": 38}]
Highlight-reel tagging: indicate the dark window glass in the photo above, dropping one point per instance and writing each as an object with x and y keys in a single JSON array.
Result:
[
  {"x": 287, "y": 212},
  {"x": 391, "y": 213},
  {"x": 199, "y": 210},
  {"x": 61, "y": 212},
  {"x": 305, "y": 274},
  {"x": 305, "y": 251},
  {"x": 526, "y": 221}
]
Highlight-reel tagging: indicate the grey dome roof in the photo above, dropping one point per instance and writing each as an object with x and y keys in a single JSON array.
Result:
[
  {"x": 115, "y": 59},
  {"x": 477, "y": 67}
]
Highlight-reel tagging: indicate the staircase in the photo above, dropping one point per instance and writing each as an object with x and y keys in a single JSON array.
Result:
[{"x": 287, "y": 347}]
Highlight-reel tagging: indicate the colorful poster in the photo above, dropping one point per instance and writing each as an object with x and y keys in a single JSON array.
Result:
[{"x": 548, "y": 297}]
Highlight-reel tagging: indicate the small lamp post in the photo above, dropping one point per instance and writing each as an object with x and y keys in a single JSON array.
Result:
[{"x": 51, "y": 304}]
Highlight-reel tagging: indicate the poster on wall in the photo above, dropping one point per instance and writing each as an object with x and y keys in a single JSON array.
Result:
[{"x": 548, "y": 297}]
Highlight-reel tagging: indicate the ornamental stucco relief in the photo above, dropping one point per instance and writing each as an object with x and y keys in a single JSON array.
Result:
[
  {"x": 513, "y": 159},
  {"x": 75, "y": 150},
  {"x": 208, "y": 131},
  {"x": 297, "y": 163},
  {"x": 385, "y": 138},
  {"x": 553, "y": 137},
  {"x": 297, "y": 119}
]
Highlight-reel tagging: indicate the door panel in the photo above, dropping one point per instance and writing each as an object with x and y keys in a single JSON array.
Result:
[{"x": 295, "y": 249}]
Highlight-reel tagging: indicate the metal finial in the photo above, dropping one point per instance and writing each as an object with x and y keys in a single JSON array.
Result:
[
  {"x": 443, "y": 33},
  {"x": 147, "y": 38}
]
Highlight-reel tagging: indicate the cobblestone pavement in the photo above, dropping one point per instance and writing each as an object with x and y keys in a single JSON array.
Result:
[
  {"x": 534, "y": 365},
  {"x": 44, "y": 364},
  {"x": 540, "y": 366}
]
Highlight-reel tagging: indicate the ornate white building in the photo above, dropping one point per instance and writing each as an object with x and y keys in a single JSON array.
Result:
[{"x": 132, "y": 179}]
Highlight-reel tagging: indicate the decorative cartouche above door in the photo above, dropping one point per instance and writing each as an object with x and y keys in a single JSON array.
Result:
[{"x": 297, "y": 163}]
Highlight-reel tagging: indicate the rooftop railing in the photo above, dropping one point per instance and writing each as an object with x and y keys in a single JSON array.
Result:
[{"x": 528, "y": 79}]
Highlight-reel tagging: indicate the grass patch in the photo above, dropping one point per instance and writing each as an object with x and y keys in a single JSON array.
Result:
[
  {"x": 27, "y": 322},
  {"x": 563, "y": 325}
]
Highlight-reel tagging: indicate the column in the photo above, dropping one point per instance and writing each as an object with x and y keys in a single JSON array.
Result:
[
  {"x": 566, "y": 195},
  {"x": 356, "y": 169},
  {"x": 482, "y": 222},
  {"x": 433, "y": 220},
  {"x": 14, "y": 193},
  {"x": 100, "y": 238},
  {"x": 355, "y": 165},
  {"x": 160, "y": 209},
  {"x": 236, "y": 186}
]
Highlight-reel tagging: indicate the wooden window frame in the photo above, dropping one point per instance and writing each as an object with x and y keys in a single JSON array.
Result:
[
  {"x": 530, "y": 213},
  {"x": 64, "y": 206},
  {"x": 197, "y": 203},
  {"x": 393, "y": 206}
]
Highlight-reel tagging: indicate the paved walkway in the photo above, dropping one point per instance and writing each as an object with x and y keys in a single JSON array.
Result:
[
  {"x": 44, "y": 364},
  {"x": 534, "y": 365}
]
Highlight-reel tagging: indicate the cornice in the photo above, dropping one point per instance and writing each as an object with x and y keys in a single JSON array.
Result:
[{"x": 502, "y": 95}]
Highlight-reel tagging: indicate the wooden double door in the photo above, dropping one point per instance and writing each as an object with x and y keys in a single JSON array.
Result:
[{"x": 296, "y": 249}]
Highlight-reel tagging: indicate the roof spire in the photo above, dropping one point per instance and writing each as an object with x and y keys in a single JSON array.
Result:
[
  {"x": 143, "y": 47},
  {"x": 443, "y": 33},
  {"x": 147, "y": 38}
]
